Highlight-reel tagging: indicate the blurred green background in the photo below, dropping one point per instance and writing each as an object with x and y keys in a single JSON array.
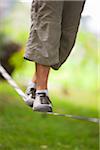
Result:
[{"x": 73, "y": 89}]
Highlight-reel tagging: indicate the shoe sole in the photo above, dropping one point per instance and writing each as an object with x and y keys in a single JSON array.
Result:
[
  {"x": 43, "y": 109},
  {"x": 30, "y": 103}
]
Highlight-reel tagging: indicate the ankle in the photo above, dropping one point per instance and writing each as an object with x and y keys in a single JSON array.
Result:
[
  {"x": 42, "y": 91},
  {"x": 41, "y": 87}
]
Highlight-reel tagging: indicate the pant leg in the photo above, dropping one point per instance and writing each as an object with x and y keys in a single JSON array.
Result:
[
  {"x": 70, "y": 22},
  {"x": 45, "y": 33}
]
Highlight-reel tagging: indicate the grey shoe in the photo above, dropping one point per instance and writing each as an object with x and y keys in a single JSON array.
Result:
[
  {"x": 42, "y": 103},
  {"x": 30, "y": 93}
]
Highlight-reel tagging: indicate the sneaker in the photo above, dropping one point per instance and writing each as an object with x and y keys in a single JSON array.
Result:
[
  {"x": 42, "y": 103},
  {"x": 30, "y": 93}
]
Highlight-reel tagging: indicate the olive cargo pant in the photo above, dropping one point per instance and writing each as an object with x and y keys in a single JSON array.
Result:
[{"x": 54, "y": 26}]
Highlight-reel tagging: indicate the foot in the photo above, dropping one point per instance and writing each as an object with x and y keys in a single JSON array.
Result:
[
  {"x": 42, "y": 103},
  {"x": 30, "y": 93}
]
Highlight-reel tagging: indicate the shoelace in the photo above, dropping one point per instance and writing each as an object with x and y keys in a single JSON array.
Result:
[
  {"x": 31, "y": 91},
  {"x": 44, "y": 98}
]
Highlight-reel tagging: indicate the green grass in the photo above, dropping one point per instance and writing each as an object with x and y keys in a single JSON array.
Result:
[{"x": 23, "y": 129}]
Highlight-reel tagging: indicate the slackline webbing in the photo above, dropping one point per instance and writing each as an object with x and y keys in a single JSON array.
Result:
[{"x": 23, "y": 96}]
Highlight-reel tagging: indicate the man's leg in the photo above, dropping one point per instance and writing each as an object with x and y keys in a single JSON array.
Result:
[
  {"x": 40, "y": 77},
  {"x": 42, "y": 73},
  {"x": 43, "y": 46},
  {"x": 37, "y": 91},
  {"x": 31, "y": 91},
  {"x": 42, "y": 101}
]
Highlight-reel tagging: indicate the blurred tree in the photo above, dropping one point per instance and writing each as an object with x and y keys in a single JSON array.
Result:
[{"x": 7, "y": 49}]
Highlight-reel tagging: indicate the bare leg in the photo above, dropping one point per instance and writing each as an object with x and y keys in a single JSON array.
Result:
[
  {"x": 42, "y": 102},
  {"x": 42, "y": 73}
]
